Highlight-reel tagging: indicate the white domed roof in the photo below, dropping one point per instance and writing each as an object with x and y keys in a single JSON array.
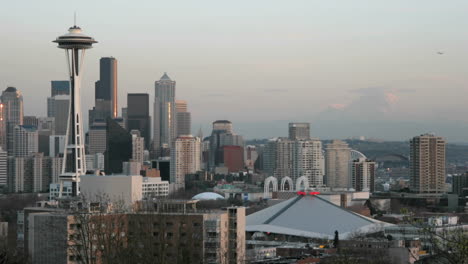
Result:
[{"x": 207, "y": 196}]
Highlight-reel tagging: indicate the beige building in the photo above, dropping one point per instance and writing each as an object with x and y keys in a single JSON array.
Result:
[
  {"x": 138, "y": 146},
  {"x": 427, "y": 164},
  {"x": 337, "y": 156},
  {"x": 185, "y": 159},
  {"x": 363, "y": 175}
]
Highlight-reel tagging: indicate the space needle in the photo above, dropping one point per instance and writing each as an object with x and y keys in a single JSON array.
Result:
[{"x": 75, "y": 43}]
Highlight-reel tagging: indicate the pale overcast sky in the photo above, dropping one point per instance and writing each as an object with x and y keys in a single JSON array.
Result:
[{"x": 262, "y": 63}]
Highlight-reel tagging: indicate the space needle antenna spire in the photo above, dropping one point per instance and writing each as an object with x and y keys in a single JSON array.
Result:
[{"x": 75, "y": 43}]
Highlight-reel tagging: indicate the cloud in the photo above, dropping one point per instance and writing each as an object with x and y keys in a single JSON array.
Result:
[{"x": 337, "y": 106}]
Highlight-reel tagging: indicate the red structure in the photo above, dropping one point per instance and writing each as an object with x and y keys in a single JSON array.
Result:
[{"x": 233, "y": 158}]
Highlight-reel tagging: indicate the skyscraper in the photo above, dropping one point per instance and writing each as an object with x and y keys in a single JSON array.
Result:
[
  {"x": 74, "y": 43},
  {"x": 119, "y": 147},
  {"x": 184, "y": 120},
  {"x": 427, "y": 164},
  {"x": 138, "y": 146},
  {"x": 164, "y": 116},
  {"x": 308, "y": 161},
  {"x": 105, "y": 91},
  {"x": 298, "y": 131},
  {"x": 185, "y": 159},
  {"x": 138, "y": 115},
  {"x": 363, "y": 175},
  {"x": 3, "y": 167},
  {"x": 222, "y": 135},
  {"x": 12, "y": 101},
  {"x": 59, "y": 88},
  {"x": 97, "y": 137},
  {"x": 337, "y": 159},
  {"x": 58, "y": 108}
]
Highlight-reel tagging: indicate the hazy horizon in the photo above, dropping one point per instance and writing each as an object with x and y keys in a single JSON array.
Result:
[{"x": 350, "y": 68}]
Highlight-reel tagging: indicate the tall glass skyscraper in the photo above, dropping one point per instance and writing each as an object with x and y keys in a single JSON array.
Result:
[
  {"x": 105, "y": 91},
  {"x": 164, "y": 129},
  {"x": 119, "y": 147},
  {"x": 138, "y": 115},
  {"x": 13, "y": 113}
]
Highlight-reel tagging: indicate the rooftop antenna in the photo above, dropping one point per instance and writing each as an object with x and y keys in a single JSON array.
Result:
[{"x": 74, "y": 19}]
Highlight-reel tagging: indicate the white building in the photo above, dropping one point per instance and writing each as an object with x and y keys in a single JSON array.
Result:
[
  {"x": 309, "y": 161},
  {"x": 138, "y": 146},
  {"x": 185, "y": 159},
  {"x": 25, "y": 141},
  {"x": 116, "y": 188},
  {"x": 155, "y": 187}
]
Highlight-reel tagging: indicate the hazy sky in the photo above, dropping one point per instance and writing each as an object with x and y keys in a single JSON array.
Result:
[{"x": 260, "y": 63}]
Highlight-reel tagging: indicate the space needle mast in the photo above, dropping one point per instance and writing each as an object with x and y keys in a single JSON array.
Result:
[{"x": 74, "y": 163}]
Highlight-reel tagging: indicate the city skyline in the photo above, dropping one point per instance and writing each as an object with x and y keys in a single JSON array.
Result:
[{"x": 289, "y": 62}]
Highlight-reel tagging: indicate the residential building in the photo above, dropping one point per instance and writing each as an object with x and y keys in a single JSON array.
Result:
[
  {"x": 363, "y": 175},
  {"x": 337, "y": 157},
  {"x": 299, "y": 131},
  {"x": 308, "y": 161},
  {"x": 154, "y": 187},
  {"x": 56, "y": 145},
  {"x": 138, "y": 115},
  {"x": 427, "y": 164},
  {"x": 185, "y": 159},
  {"x": 3, "y": 167},
  {"x": 25, "y": 140},
  {"x": 460, "y": 184},
  {"x": 250, "y": 156},
  {"x": 164, "y": 128},
  {"x": 138, "y": 146}
]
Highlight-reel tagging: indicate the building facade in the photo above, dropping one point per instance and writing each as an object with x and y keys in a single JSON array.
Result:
[
  {"x": 185, "y": 159},
  {"x": 138, "y": 115},
  {"x": 427, "y": 164},
  {"x": 13, "y": 113},
  {"x": 164, "y": 128},
  {"x": 25, "y": 140},
  {"x": 363, "y": 175},
  {"x": 337, "y": 157},
  {"x": 299, "y": 131}
]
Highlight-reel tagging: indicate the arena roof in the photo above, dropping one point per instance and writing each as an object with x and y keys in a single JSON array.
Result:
[{"x": 310, "y": 216}]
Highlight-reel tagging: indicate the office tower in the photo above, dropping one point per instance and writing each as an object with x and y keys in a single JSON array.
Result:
[
  {"x": 299, "y": 131},
  {"x": 12, "y": 101},
  {"x": 124, "y": 117},
  {"x": 185, "y": 159},
  {"x": 45, "y": 129},
  {"x": 184, "y": 119},
  {"x": 74, "y": 165},
  {"x": 460, "y": 184},
  {"x": 3, "y": 127},
  {"x": 3, "y": 167},
  {"x": 138, "y": 115},
  {"x": 59, "y": 88},
  {"x": 30, "y": 121},
  {"x": 119, "y": 147},
  {"x": 138, "y": 146},
  {"x": 95, "y": 162},
  {"x": 164, "y": 128},
  {"x": 105, "y": 104},
  {"x": 25, "y": 141},
  {"x": 97, "y": 137},
  {"x": 222, "y": 135},
  {"x": 56, "y": 145},
  {"x": 427, "y": 164},
  {"x": 58, "y": 108},
  {"x": 308, "y": 161},
  {"x": 337, "y": 156},
  {"x": 363, "y": 175},
  {"x": 233, "y": 158}
]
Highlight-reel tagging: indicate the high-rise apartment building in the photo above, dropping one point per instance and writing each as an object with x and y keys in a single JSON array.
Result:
[
  {"x": 183, "y": 117},
  {"x": 308, "y": 161},
  {"x": 138, "y": 147},
  {"x": 427, "y": 164},
  {"x": 138, "y": 115},
  {"x": 13, "y": 112},
  {"x": 363, "y": 175},
  {"x": 29, "y": 174},
  {"x": 460, "y": 184},
  {"x": 337, "y": 157},
  {"x": 299, "y": 131},
  {"x": 25, "y": 141},
  {"x": 185, "y": 159},
  {"x": 164, "y": 128},
  {"x": 250, "y": 156}
]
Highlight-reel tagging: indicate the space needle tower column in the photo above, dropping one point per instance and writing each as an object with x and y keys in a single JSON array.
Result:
[{"x": 74, "y": 163}]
